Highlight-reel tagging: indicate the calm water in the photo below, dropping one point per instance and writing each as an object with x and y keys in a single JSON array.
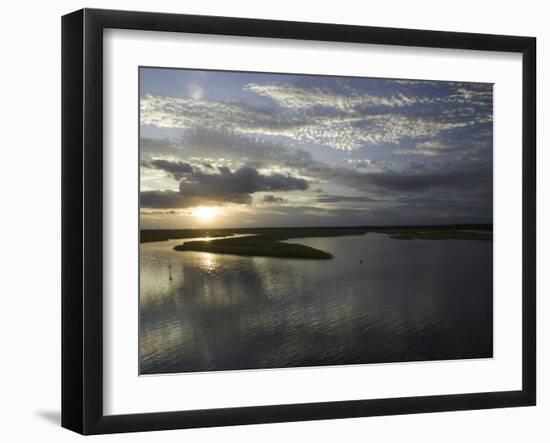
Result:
[{"x": 409, "y": 300}]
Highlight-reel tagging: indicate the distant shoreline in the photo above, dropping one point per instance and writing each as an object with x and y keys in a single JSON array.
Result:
[
  {"x": 460, "y": 231},
  {"x": 268, "y": 242}
]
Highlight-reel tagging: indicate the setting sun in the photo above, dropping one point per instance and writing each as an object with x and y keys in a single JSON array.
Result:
[{"x": 205, "y": 214}]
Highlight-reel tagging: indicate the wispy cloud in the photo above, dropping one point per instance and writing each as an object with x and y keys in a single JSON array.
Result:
[{"x": 344, "y": 120}]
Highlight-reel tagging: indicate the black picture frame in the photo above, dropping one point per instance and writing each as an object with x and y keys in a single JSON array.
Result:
[{"x": 82, "y": 218}]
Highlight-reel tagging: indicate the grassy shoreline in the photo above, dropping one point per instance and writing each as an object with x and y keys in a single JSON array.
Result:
[{"x": 154, "y": 235}]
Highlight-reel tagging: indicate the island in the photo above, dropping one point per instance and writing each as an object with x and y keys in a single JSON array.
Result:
[{"x": 255, "y": 245}]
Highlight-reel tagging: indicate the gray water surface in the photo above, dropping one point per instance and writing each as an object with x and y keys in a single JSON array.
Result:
[{"x": 409, "y": 300}]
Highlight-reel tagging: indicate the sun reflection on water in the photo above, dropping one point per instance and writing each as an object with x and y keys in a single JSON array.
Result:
[{"x": 207, "y": 262}]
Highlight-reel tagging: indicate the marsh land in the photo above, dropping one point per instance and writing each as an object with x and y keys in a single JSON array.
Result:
[{"x": 270, "y": 242}]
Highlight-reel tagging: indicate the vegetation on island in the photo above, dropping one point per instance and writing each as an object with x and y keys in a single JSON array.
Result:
[{"x": 257, "y": 246}]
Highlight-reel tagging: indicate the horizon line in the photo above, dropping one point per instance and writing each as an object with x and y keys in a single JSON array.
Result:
[{"x": 331, "y": 227}]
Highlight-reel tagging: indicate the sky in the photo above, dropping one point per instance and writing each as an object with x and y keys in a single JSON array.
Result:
[{"x": 238, "y": 149}]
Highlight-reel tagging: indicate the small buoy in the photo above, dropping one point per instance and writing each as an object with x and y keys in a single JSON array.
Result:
[{"x": 361, "y": 261}]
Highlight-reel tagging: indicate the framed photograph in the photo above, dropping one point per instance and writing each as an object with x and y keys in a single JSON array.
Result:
[{"x": 269, "y": 221}]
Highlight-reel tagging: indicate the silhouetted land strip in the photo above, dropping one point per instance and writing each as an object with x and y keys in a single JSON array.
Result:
[
  {"x": 441, "y": 235},
  {"x": 435, "y": 232},
  {"x": 150, "y": 235},
  {"x": 257, "y": 246},
  {"x": 267, "y": 242}
]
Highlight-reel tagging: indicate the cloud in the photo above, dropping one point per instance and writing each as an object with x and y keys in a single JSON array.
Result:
[
  {"x": 244, "y": 181},
  {"x": 350, "y": 96},
  {"x": 195, "y": 91},
  {"x": 300, "y": 97},
  {"x": 222, "y": 187},
  {"x": 471, "y": 181},
  {"x": 271, "y": 199},
  {"x": 165, "y": 200},
  {"x": 441, "y": 178},
  {"x": 372, "y": 176},
  {"x": 368, "y": 164},
  {"x": 176, "y": 169},
  {"x": 218, "y": 147},
  {"x": 344, "y": 198},
  {"x": 441, "y": 147},
  {"x": 164, "y": 212},
  {"x": 451, "y": 178},
  {"x": 339, "y": 117}
]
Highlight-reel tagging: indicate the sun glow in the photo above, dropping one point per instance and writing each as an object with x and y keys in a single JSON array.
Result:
[{"x": 205, "y": 214}]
